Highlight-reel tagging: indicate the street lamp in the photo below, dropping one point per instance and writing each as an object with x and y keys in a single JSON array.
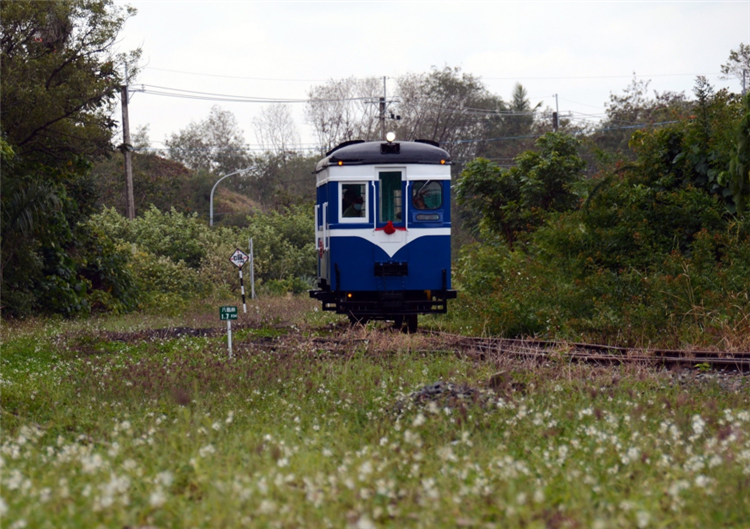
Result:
[{"x": 211, "y": 200}]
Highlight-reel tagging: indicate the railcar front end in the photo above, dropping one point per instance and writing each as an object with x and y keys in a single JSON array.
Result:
[{"x": 382, "y": 229}]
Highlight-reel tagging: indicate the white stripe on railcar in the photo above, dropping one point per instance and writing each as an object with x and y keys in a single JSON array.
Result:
[{"x": 391, "y": 244}]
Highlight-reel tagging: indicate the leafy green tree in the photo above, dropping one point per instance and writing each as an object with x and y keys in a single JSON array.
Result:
[
  {"x": 515, "y": 200},
  {"x": 738, "y": 64},
  {"x": 284, "y": 244},
  {"x": 343, "y": 110},
  {"x": 216, "y": 144},
  {"x": 515, "y": 121},
  {"x": 635, "y": 109},
  {"x": 739, "y": 165},
  {"x": 654, "y": 253},
  {"x": 445, "y": 106},
  {"x": 157, "y": 181},
  {"x": 59, "y": 83}
]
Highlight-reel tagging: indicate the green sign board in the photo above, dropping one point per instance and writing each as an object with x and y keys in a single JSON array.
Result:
[{"x": 227, "y": 313}]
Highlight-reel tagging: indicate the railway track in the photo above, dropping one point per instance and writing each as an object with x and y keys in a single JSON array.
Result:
[
  {"x": 528, "y": 349},
  {"x": 543, "y": 350}
]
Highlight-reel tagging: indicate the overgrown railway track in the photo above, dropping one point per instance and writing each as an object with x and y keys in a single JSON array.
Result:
[
  {"x": 545, "y": 350},
  {"x": 484, "y": 347}
]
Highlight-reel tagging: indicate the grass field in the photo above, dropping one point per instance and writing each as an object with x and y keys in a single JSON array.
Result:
[{"x": 107, "y": 424}]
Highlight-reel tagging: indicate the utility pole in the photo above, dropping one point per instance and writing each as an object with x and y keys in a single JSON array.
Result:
[
  {"x": 556, "y": 116},
  {"x": 382, "y": 112},
  {"x": 127, "y": 150}
]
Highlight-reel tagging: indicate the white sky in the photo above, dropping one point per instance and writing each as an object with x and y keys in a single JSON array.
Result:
[{"x": 582, "y": 51}]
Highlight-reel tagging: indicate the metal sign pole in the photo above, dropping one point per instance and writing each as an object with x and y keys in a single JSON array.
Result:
[
  {"x": 228, "y": 313},
  {"x": 252, "y": 271},
  {"x": 242, "y": 289},
  {"x": 229, "y": 337}
]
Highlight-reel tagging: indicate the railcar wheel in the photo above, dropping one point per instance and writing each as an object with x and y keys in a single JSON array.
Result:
[{"x": 398, "y": 322}]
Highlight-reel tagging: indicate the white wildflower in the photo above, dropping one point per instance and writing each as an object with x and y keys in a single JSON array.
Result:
[
  {"x": 365, "y": 469},
  {"x": 446, "y": 454},
  {"x": 45, "y": 494},
  {"x": 157, "y": 498},
  {"x": 677, "y": 487},
  {"x": 365, "y": 523},
  {"x": 538, "y": 496},
  {"x": 90, "y": 464},
  {"x": 165, "y": 478},
  {"x": 631, "y": 456},
  {"x": 206, "y": 450},
  {"x": 412, "y": 438},
  {"x": 267, "y": 507},
  {"x": 698, "y": 424}
]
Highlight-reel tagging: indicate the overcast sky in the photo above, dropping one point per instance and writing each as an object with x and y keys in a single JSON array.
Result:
[{"x": 582, "y": 51}]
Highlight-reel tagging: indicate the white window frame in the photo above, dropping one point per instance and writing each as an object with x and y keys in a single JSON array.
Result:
[{"x": 354, "y": 220}]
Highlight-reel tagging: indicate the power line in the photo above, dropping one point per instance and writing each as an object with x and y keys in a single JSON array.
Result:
[
  {"x": 596, "y": 76},
  {"x": 511, "y": 78},
  {"x": 211, "y": 96},
  {"x": 236, "y": 76},
  {"x": 607, "y": 129}
]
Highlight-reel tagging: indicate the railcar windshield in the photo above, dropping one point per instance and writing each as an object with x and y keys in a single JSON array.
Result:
[
  {"x": 427, "y": 194},
  {"x": 391, "y": 198}
]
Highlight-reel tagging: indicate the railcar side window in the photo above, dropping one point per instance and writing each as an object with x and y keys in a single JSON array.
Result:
[
  {"x": 390, "y": 200},
  {"x": 427, "y": 194},
  {"x": 353, "y": 202}
]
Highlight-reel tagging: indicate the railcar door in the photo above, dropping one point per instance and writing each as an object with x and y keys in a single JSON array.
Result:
[
  {"x": 322, "y": 234},
  {"x": 391, "y": 260}
]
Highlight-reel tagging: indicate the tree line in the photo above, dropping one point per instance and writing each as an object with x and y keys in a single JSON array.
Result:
[{"x": 61, "y": 76}]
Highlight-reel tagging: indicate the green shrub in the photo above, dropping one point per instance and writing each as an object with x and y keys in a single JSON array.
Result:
[
  {"x": 284, "y": 244},
  {"x": 652, "y": 255}
]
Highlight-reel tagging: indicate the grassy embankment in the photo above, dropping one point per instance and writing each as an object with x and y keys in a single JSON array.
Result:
[{"x": 103, "y": 427}]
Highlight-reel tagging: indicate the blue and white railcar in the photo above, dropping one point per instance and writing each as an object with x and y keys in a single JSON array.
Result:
[{"x": 382, "y": 228}]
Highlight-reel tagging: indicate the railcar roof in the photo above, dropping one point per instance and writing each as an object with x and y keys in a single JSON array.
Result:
[{"x": 382, "y": 152}]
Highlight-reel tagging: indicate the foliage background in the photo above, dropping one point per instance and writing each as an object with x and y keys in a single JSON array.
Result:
[{"x": 653, "y": 252}]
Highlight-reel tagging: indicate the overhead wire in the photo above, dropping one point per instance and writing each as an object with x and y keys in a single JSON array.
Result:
[
  {"x": 236, "y": 76},
  {"x": 212, "y": 96}
]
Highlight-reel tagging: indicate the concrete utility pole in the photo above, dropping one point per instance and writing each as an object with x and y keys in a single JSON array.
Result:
[
  {"x": 556, "y": 116},
  {"x": 127, "y": 150}
]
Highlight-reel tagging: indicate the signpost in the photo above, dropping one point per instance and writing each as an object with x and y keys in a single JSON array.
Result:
[
  {"x": 228, "y": 313},
  {"x": 239, "y": 258}
]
